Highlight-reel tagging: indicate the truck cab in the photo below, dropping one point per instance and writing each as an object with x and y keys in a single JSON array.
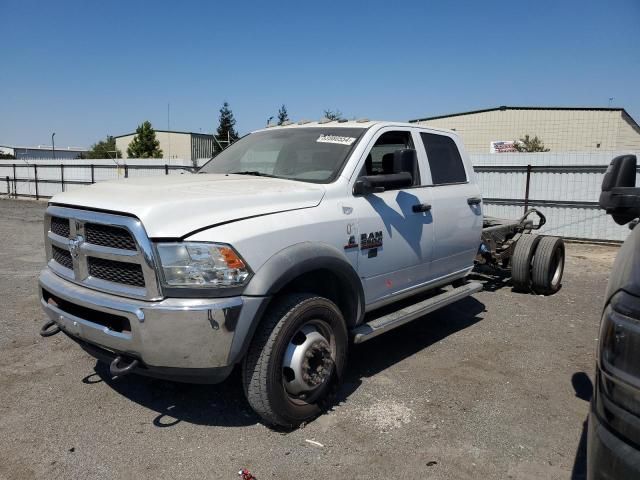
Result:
[{"x": 271, "y": 257}]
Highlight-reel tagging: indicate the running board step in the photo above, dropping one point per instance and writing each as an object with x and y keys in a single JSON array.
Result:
[{"x": 392, "y": 320}]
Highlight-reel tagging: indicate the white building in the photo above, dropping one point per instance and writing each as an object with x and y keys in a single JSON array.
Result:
[
  {"x": 185, "y": 145},
  {"x": 43, "y": 152},
  {"x": 562, "y": 129}
]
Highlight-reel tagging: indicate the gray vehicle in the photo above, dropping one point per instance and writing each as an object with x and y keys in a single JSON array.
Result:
[
  {"x": 276, "y": 255},
  {"x": 613, "y": 448}
]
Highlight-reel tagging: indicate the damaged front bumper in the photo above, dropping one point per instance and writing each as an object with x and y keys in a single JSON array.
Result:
[{"x": 186, "y": 339}]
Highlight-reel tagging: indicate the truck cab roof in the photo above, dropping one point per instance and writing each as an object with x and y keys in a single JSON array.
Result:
[{"x": 362, "y": 123}]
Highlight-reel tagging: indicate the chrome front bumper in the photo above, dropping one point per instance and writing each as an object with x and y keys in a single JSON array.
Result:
[{"x": 174, "y": 333}]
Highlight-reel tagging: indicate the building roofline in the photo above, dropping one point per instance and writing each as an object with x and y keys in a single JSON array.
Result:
[
  {"x": 504, "y": 107},
  {"x": 166, "y": 131},
  {"x": 46, "y": 147}
]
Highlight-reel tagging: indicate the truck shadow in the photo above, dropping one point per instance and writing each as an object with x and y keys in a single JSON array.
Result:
[
  {"x": 221, "y": 405},
  {"x": 491, "y": 278},
  {"x": 224, "y": 404},
  {"x": 583, "y": 388}
]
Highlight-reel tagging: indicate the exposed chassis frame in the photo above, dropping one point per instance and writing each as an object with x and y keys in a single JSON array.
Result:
[{"x": 499, "y": 237}]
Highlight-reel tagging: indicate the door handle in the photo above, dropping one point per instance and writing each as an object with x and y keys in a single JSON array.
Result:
[
  {"x": 474, "y": 200},
  {"x": 421, "y": 208}
]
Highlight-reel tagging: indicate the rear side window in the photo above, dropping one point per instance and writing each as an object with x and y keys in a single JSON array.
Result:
[{"x": 444, "y": 159}]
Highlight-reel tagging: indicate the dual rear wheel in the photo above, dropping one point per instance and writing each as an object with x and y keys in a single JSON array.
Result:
[{"x": 538, "y": 264}]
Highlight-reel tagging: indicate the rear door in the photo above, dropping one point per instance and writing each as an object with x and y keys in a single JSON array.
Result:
[{"x": 456, "y": 205}]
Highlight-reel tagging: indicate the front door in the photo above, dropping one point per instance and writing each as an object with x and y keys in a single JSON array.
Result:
[{"x": 394, "y": 240}]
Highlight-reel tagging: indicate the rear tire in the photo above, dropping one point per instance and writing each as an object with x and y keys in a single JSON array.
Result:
[
  {"x": 296, "y": 359},
  {"x": 548, "y": 266},
  {"x": 523, "y": 256}
]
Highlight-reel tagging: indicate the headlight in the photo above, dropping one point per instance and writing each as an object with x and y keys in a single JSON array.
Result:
[
  {"x": 196, "y": 264},
  {"x": 619, "y": 352}
]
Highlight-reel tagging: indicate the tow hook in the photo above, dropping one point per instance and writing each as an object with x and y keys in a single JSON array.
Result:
[
  {"x": 117, "y": 370},
  {"x": 47, "y": 331}
]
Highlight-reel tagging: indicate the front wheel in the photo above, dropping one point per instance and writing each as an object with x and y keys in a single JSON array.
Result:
[{"x": 296, "y": 359}]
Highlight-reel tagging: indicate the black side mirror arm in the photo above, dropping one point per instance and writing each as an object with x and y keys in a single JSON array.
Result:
[
  {"x": 381, "y": 183},
  {"x": 363, "y": 186}
]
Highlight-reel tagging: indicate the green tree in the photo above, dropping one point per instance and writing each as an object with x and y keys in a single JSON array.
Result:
[
  {"x": 527, "y": 144},
  {"x": 104, "y": 149},
  {"x": 226, "y": 124},
  {"x": 283, "y": 115},
  {"x": 7, "y": 156},
  {"x": 144, "y": 144},
  {"x": 333, "y": 114}
]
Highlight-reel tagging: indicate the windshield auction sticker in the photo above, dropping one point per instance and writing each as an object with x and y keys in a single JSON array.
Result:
[{"x": 336, "y": 139}]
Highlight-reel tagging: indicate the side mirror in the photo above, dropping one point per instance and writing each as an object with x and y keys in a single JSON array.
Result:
[
  {"x": 406, "y": 160},
  {"x": 620, "y": 197},
  {"x": 380, "y": 183},
  {"x": 404, "y": 167}
]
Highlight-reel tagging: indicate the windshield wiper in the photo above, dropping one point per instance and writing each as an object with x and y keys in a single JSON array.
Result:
[{"x": 255, "y": 173}]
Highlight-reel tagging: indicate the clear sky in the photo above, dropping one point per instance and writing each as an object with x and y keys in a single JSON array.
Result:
[{"x": 86, "y": 69}]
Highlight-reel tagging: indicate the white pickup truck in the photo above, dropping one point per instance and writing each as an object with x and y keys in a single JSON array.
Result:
[{"x": 275, "y": 256}]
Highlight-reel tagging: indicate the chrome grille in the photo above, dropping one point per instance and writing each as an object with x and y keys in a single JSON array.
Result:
[
  {"x": 118, "y": 272},
  {"x": 109, "y": 236},
  {"x": 60, "y": 226},
  {"x": 63, "y": 257},
  {"x": 103, "y": 251}
]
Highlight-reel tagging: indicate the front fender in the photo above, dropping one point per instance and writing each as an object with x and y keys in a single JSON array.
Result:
[{"x": 285, "y": 266}]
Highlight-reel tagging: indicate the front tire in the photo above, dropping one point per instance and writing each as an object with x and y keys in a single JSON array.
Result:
[{"x": 296, "y": 359}]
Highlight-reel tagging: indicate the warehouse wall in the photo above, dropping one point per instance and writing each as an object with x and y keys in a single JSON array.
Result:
[
  {"x": 560, "y": 130},
  {"x": 176, "y": 144},
  {"x": 628, "y": 134}
]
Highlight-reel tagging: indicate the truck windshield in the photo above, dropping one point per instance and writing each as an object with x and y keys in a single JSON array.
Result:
[{"x": 306, "y": 154}]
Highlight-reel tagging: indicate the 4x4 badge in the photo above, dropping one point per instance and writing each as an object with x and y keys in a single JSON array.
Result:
[{"x": 352, "y": 243}]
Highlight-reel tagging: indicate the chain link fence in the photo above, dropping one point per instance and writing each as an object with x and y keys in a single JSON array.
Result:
[
  {"x": 564, "y": 186},
  {"x": 44, "y": 178}
]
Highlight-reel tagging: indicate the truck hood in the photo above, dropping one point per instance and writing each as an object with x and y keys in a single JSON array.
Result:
[{"x": 174, "y": 206}]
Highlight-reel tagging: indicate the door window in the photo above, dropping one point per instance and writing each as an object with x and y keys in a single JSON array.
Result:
[
  {"x": 444, "y": 159},
  {"x": 379, "y": 161}
]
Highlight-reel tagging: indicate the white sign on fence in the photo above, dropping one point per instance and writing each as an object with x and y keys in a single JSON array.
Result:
[{"x": 502, "y": 146}]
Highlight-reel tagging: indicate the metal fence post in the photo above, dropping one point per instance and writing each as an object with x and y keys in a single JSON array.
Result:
[
  {"x": 126, "y": 171},
  {"x": 15, "y": 182},
  {"x": 35, "y": 174},
  {"x": 93, "y": 178},
  {"x": 166, "y": 169},
  {"x": 526, "y": 191},
  {"x": 8, "y": 187},
  {"x": 62, "y": 175}
]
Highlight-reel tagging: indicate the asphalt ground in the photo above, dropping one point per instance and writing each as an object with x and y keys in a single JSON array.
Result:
[{"x": 493, "y": 387}]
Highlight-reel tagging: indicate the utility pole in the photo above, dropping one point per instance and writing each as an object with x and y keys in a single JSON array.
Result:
[
  {"x": 169, "y": 128},
  {"x": 53, "y": 145}
]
